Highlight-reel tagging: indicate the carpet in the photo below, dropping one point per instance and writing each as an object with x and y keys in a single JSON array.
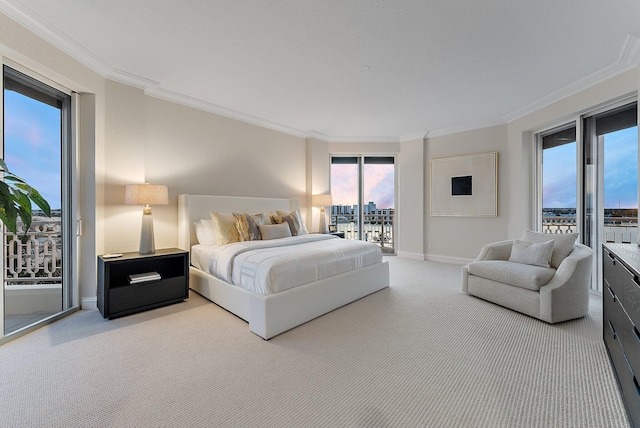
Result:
[{"x": 418, "y": 354}]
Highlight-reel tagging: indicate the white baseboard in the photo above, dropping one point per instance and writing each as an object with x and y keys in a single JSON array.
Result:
[
  {"x": 448, "y": 259},
  {"x": 90, "y": 302},
  {"x": 409, "y": 255}
]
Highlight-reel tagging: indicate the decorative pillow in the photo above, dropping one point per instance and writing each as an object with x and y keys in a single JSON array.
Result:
[
  {"x": 204, "y": 232},
  {"x": 225, "y": 226},
  {"x": 274, "y": 231},
  {"x": 294, "y": 219},
  {"x": 531, "y": 254},
  {"x": 247, "y": 226},
  {"x": 562, "y": 244}
]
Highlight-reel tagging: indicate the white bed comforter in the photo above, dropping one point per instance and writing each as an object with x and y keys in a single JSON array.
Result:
[{"x": 268, "y": 267}]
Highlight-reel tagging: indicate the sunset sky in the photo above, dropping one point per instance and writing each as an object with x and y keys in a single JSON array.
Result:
[
  {"x": 620, "y": 172},
  {"x": 378, "y": 184}
]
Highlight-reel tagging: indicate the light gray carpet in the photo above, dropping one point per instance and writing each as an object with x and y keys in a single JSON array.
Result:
[{"x": 418, "y": 354}]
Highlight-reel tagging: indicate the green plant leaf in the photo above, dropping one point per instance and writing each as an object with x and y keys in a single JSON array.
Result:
[
  {"x": 36, "y": 197},
  {"x": 15, "y": 200},
  {"x": 8, "y": 210}
]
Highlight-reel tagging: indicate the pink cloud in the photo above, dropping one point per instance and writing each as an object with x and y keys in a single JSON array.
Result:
[{"x": 378, "y": 184}]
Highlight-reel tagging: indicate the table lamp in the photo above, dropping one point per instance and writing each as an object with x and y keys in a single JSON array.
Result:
[
  {"x": 322, "y": 201},
  {"x": 146, "y": 194}
]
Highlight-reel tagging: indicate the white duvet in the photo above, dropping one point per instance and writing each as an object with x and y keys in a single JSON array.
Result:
[{"x": 268, "y": 267}]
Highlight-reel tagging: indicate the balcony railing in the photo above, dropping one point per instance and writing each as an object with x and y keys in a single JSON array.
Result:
[
  {"x": 377, "y": 228},
  {"x": 616, "y": 229},
  {"x": 34, "y": 257}
]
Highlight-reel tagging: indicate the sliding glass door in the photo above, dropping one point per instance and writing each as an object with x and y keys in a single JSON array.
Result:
[
  {"x": 611, "y": 179},
  {"x": 37, "y": 269},
  {"x": 363, "y": 191},
  {"x": 589, "y": 179}
]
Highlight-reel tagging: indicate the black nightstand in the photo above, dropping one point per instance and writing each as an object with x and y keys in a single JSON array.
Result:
[{"x": 118, "y": 296}]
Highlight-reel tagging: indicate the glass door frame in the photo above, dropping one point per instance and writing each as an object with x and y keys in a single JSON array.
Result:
[
  {"x": 589, "y": 180},
  {"x": 69, "y": 204},
  {"x": 361, "y": 179},
  {"x": 594, "y": 184}
]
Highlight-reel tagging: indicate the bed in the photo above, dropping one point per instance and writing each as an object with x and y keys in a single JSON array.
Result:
[{"x": 271, "y": 314}]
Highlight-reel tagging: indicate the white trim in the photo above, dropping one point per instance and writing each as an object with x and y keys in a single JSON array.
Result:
[
  {"x": 223, "y": 111},
  {"x": 410, "y": 255},
  {"x": 41, "y": 27},
  {"x": 467, "y": 127},
  {"x": 89, "y": 303},
  {"x": 447, "y": 259}
]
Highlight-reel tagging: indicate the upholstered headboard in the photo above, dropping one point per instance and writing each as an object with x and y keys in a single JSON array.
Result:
[{"x": 192, "y": 208}]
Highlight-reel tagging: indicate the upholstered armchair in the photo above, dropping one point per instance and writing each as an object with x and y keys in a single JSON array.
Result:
[{"x": 514, "y": 274}]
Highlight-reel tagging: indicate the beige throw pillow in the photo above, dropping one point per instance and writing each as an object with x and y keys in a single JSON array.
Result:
[
  {"x": 247, "y": 226},
  {"x": 225, "y": 226},
  {"x": 274, "y": 231},
  {"x": 293, "y": 219}
]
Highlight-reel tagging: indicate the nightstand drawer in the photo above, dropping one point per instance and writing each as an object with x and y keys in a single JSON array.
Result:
[{"x": 146, "y": 294}]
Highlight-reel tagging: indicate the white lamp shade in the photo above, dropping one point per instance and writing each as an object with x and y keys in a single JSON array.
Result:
[
  {"x": 146, "y": 194},
  {"x": 324, "y": 200}
]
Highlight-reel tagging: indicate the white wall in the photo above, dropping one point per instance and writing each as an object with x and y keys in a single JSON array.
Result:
[
  {"x": 459, "y": 239},
  {"x": 411, "y": 199},
  {"x": 190, "y": 151}
]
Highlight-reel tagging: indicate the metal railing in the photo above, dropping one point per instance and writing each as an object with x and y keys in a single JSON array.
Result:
[
  {"x": 616, "y": 229},
  {"x": 34, "y": 257},
  {"x": 377, "y": 228}
]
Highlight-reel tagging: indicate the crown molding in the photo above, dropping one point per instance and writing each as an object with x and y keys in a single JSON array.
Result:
[
  {"x": 629, "y": 58},
  {"x": 28, "y": 18},
  {"x": 415, "y": 136},
  {"x": 222, "y": 111},
  {"x": 465, "y": 128}
]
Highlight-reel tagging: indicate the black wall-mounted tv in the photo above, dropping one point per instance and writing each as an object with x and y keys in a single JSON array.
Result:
[{"x": 461, "y": 186}]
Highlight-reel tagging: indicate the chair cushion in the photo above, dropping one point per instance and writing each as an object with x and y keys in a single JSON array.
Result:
[{"x": 517, "y": 274}]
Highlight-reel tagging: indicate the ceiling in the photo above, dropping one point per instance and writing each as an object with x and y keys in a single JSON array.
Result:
[{"x": 346, "y": 70}]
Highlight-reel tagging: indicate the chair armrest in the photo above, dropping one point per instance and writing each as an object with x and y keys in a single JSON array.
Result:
[
  {"x": 566, "y": 296},
  {"x": 496, "y": 251}
]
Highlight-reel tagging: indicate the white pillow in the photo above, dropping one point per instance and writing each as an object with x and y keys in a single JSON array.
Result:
[
  {"x": 205, "y": 232},
  {"x": 538, "y": 254},
  {"x": 210, "y": 231},
  {"x": 562, "y": 244},
  {"x": 274, "y": 231}
]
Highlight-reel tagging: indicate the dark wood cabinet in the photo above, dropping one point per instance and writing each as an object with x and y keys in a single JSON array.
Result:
[
  {"x": 621, "y": 320},
  {"x": 118, "y": 292}
]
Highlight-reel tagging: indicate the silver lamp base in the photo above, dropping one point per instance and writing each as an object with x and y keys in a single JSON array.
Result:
[
  {"x": 147, "y": 244},
  {"x": 323, "y": 222}
]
